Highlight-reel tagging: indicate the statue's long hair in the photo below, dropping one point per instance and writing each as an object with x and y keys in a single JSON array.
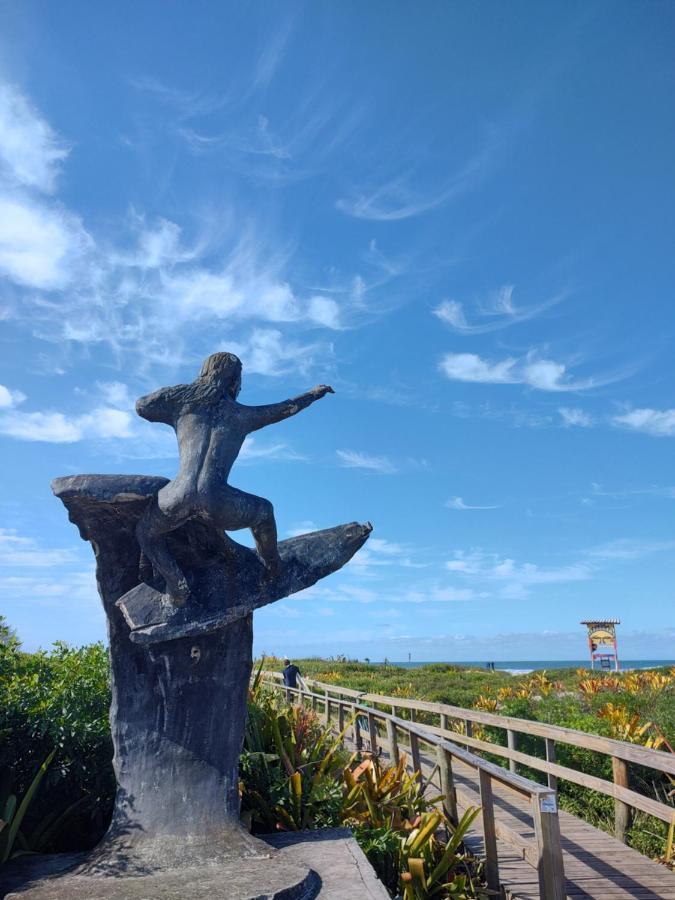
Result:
[{"x": 220, "y": 373}]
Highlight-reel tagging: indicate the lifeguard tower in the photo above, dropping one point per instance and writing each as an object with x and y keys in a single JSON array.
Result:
[{"x": 602, "y": 642}]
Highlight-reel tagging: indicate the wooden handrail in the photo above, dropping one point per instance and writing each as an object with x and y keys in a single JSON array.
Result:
[
  {"x": 620, "y": 752},
  {"x": 545, "y": 855},
  {"x": 643, "y": 756}
]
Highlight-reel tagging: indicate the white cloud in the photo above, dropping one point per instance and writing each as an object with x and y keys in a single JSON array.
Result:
[
  {"x": 149, "y": 289},
  {"x": 459, "y": 504},
  {"x": 657, "y": 422},
  {"x": 541, "y": 374},
  {"x": 10, "y": 398},
  {"x": 30, "y": 152},
  {"x": 628, "y": 549},
  {"x": 381, "y": 552},
  {"x": 69, "y": 587},
  {"x": 303, "y": 527},
  {"x": 573, "y": 416},
  {"x": 355, "y": 459},
  {"x": 324, "y": 311},
  {"x": 40, "y": 245},
  {"x": 19, "y": 551},
  {"x": 498, "y": 309},
  {"x": 252, "y": 451},
  {"x": 515, "y": 579},
  {"x": 59, "y": 428},
  {"x": 396, "y": 199},
  {"x": 267, "y": 352},
  {"x": 470, "y": 367}
]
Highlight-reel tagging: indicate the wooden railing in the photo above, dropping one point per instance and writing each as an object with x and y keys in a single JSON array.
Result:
[
  {"x": 621, "y": 753},
  {"x": 341, "y": 705}
]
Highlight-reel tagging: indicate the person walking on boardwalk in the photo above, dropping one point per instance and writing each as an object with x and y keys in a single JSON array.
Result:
[{"x": 291, "y": 675}]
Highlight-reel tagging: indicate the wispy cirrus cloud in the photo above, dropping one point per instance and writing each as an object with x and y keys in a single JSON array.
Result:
[
  {"x": 514, "y": 580},
  {"x": 383, "y": 465},
  {"x": 459, "y": 504},
  {"x": 266, "y": 352},
  {"x": 531, "y": 371},
  {"x": 656, "y": 422},
  {"x": 652, "y": 490},
  {"x": 400, "y": 198},
  {"x": 357, "y": 459},
  {"x": 30, "y": 152},
  {"x": 152, "y": 286},
  {"x": 628, "y": 549},
  {"x": 575, "y": 417},
  {"x": 20, "y": 551},
  {"x": 505, "y": 577},
  {"x": 496, "y": 312}
]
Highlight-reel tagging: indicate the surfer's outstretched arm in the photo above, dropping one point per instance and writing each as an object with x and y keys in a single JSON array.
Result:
[
  {"x": 161, "y": 405},
  {"x": 259, "y": 416}
]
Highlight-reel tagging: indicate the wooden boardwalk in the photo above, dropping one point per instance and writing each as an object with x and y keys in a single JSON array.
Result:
[
  {"x": 532, "y": 850},
  {"x": 596, "y": 864}
]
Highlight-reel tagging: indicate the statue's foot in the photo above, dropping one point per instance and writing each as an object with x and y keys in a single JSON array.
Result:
[
  {"x": 180, "y": 592},
  {"x": 272, "y": 568}
]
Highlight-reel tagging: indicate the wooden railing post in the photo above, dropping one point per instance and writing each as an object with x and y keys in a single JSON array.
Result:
[
  {"x": 372, "y": 728},
  {"x": 468, "y": 727},
  {"x": 444, "y": 722},
  {"x": 550, "y": 757},
  {"x": 328, "y": 709},
  {"x": 415, "y": 754},
  {"x": 549, "y": 850},
  {"x": 358, "y": 742},
  {"x": 341, "y": 716},
  {"x": 512, "y": 743},
  {"x": 444, "y": 762},
  {"x": 313, "y": 701},
  {"x": 413, "y": 715},
  {"x": 489, "y": 832},
  {"x": 393, "y": 743},
  {"x": 623, "y": 813}
]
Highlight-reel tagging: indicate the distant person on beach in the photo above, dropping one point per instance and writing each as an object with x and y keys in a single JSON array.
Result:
[{"x": 291, "y": 675}]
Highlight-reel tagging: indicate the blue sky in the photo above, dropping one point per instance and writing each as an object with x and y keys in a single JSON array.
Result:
[{"x": 459, "y": 215}]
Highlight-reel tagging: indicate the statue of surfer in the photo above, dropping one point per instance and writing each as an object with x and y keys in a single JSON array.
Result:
[{"x": 211, "y": 426}]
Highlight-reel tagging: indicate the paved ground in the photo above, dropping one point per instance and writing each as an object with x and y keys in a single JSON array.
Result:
[
  {"x": 322, "y": 865},
  {"x": 344, "y": 871}
]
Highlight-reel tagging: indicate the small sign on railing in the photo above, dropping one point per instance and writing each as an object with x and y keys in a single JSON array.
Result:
[{"x": 547, "y": 803}]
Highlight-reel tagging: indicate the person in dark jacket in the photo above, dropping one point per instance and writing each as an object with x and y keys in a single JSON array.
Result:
[{"x": 291, "y": 675}]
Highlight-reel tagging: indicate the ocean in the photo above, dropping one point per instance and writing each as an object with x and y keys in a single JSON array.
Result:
[{"x": 523, "y": 666}]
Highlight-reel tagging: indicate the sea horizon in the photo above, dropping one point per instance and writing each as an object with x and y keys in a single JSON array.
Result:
[{"x": 523, "y": 666}]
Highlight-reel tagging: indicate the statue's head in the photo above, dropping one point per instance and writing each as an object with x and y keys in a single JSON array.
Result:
[{"x": 224, "y": 370}]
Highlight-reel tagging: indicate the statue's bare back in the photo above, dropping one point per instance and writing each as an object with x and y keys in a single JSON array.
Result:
[{"x": 211, "y": 427}]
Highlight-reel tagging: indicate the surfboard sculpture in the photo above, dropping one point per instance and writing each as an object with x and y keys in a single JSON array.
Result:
[{"x": 179, "y": 594}]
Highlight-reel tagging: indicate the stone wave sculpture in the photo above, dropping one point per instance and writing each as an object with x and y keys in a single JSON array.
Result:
[{"x": 179, "y": 595}]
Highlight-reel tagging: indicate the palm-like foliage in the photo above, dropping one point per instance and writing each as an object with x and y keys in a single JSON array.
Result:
[{"x": 290, "y": 766}]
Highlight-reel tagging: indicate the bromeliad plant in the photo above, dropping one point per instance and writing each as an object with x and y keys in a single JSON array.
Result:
[
  {"x": 379, "y": 795},
  {"x": 290, "y": 768},
  {"x": 399, "y": 829},
  {"x": 432, "y": 868},
  {"x": 12, "y": 813}
]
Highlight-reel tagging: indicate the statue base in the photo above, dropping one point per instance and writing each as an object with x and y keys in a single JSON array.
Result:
[{"x": 272, "y": 878}]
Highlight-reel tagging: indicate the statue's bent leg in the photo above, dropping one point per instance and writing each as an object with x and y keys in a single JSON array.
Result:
[
  {"x": 234, "y": 509},
  {"x": 265, "y": 535},
  {"x": 150, "y": 532}
]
